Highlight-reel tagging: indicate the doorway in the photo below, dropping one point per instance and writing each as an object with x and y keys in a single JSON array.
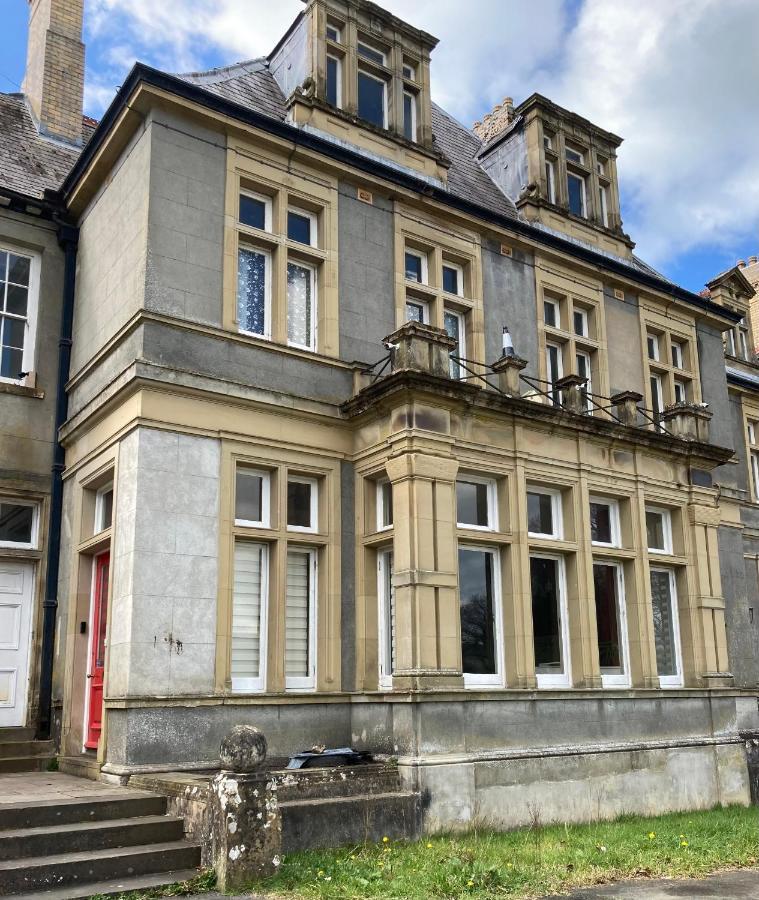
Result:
[{"x": 96, "y": 667}]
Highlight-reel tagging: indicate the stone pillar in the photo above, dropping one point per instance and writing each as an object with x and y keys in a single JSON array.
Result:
[
  {"x": 421, "y": 348},
  {"x": 625, "y": 407},
  {"x": 427, "y": 618},
  {"x": 707, "y": 611},
  {"x": 572, "y": 394},
  {"x": 508, "y": 369},
  {"x": 687, "y": 421},
  {"x": 246, "y": 840}
]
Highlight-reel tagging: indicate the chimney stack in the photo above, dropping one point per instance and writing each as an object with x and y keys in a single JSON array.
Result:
[
  {"x": 54, "y": 79},
  {"x": 496, "y": 121}
]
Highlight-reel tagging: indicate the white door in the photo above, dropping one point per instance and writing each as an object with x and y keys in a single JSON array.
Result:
[{"x": 16, "y": 592}]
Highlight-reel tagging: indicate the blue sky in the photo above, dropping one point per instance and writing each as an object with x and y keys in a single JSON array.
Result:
[{"x": 676, "y": 79}]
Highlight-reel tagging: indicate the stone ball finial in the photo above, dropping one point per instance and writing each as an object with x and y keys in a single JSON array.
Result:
[{"x": 243, "y": 749}]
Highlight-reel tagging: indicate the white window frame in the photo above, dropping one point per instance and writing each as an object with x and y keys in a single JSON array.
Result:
[
  {"x": 583, "y": 193},
  {"x": 559, "y": 365},
  {"x": 459, "y": 270},
  {"x": 751, "y": 427},
  {"x": 589, "y": 375},
  {"x": 414, "y": 132},
  {"x": 366, "y": 44},
  {"x": 545, "y": 681},
  {"x": 604, "y": 204},
  {"x": 314, "y": 280},
  {"x": 584, "y": 318},
  {"x": 460, "y": 350},
  {"x": 307, "y": 683},
  {"x": 730, "y": 343},
  {"x": 547, "y": 141},
  {"x": 676, "y": 348},
  {"x": 381, "y": 485},
  {"x": 249, "y": 684},
  {"x": 339, "y": 76},
  {"x": 409, "y": 251},
  {"x": 423, "y": 305},
  {"x": 580, "y": 154},
  {"x": 656, "y": 379},
  {"x": 754, "y": 464},
  {"x": 496, "y": 680},
  {"x": 680, "y": 387},
  {"x": 383, "y": 82},
  {"x": 338, "y": 31},
  {"x": 666, "y": 515},
  {"x": 616, "y": 531},
  {"x": 32, "y": 311},
  {"x": 551, "y": 180},
  {"x": 652, "y": 341},
  {"x": 623, "y": 679},
  {"x": 672, "y": 681},
  {"x": 267, "y": 291},
  {"x": 556, "y": 513},
  {"x": 492, "y": 502},
  {"x": 547, "y": 301},
  {"x": 313, "y": 227},
  {"x": 100, "y": 507},
  {"x": 743, "y": 341},
  {"x": 267, "y": 201},
  {"x": 411, "y": 69},
  {"x": 34, "y": 536},
  {"x": 313, "y": 483},
  {"x": 385, "y": 616},
  {"x": 265, "y": 497}
]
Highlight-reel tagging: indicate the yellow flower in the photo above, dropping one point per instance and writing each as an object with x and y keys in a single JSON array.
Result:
[
  {"x": 429, "y": 846},
  {"x": 385, "y": 840},
  {"x": 651, "y": 835},
  {"x": 682, "y": 837},
  {"x": 320, "y": 873},
  {"x": 353, "y": 855},
  {"x": 387, "y": 849},
  {"x": 470, "y": 884},
  {"x": 683, "y": 843},
  {"x": 509, "y": 865}
]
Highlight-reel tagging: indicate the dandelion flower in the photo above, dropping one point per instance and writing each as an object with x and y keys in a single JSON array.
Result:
[
  {"x": 651, "y": 835},
  {"x": 509, "y": 865},
  {"x": 353, "y": 856},
  {"x": 683, "y": 843},
  {"x": 429, "y": 846},
  {"x": 470, "y": 884},
  {"x": 385, "y": 840},
  {"x": 320, "y": 873}
]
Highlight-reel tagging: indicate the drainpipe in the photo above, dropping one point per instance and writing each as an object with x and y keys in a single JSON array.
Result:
[{"x": 68, "y": 236}]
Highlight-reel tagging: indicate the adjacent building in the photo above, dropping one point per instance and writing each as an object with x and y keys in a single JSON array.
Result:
[{"x": 380, "y": 434}]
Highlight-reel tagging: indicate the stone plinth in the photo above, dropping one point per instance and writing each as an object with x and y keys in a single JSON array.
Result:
[
  {"x": 687, "y": 421},
  {"x": 572, "y": 392},
  {"x": 508, "y": 370},
  {"x": 625, "y": 407},
  {"x": 421, "y": 348}
]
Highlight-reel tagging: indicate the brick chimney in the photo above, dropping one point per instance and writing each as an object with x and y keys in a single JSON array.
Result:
[
  {"x": 496, "y": 121},
  {"x": 54, "y": 79}
]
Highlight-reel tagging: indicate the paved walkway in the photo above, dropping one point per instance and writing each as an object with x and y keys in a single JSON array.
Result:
[
  {"x": 740, "y": 885},
  {"x": 42, "y": 787}
]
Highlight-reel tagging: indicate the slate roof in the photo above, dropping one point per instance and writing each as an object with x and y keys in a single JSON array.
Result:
[
  {"x": 31, "y": 164},
  {"x": 251, "y": 84}
]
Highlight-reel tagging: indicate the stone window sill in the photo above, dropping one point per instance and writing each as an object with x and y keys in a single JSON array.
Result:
[{"x": 21, "y": 390}]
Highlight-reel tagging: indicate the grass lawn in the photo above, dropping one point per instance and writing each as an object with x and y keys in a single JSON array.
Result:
[{"x": 526, "y": 863}]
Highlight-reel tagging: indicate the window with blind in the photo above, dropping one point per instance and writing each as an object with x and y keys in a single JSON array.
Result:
[
  {"x": 386, "y": 618},
  {"x": 300, "y": 609},
  {"x": 248, "y": 657}
]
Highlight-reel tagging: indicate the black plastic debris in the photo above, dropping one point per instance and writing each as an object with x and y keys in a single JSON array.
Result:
[{"x": 322, "y": 758}]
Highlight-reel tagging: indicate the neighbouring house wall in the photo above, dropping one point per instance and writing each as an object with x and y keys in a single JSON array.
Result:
[
  {"x": 625, "y": 354},
  {"x": 740, "y": 592}
]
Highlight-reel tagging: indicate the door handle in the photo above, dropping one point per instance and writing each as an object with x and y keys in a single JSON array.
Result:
[{"x": 90, "y": 676}]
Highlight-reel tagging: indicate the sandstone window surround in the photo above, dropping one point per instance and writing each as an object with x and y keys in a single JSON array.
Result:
[
  {"x": 737, "y": 341},
  {"x": 279, "y": 532},
  {"x": 670, "y": 364},
  {"x": 438, "y": 282},
  {"x": 19, "y": 300},
  {"x": 281, "y": 257}
]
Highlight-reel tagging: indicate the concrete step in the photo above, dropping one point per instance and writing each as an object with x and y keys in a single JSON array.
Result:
[
  {"x": 99, "y": 808},
  {"x": 314, "y": 824},
  {"x": 16, "y": 734},
  {"x": 86, "y": 868},
  {"x": 19, "y": 748},
  {"x": 24, "y": 764},
  {"x": 79, "y": 836},
  {"x": 112, "y": 888},
  {"x": 340, "y": 781}
]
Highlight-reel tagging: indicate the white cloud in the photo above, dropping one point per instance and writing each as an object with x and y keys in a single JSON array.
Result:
[{"x": 676, "y": 79}]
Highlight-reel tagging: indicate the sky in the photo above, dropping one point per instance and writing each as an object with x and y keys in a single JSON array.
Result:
[{"x": 677, "y": 79}]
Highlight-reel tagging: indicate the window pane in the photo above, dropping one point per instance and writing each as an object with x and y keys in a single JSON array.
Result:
[
  {"x": 106, "y": 510},
  {"x": 251, "y": 291},
  {"x": 388, "y": 613},
  {"x": 655, "y": 530},
  {"x": 450, "y": 280},
  {"x": 540, "y": 513},
  {"x": 252, "y": 211},
  {"x": 299, "y": 227},
  {"x": 414, "y": 312},
  {"x": 386, "y": 491},
  {"x": 247, "y": 607},
  {"x": 13, "y": 332},
  {"x": 600, "y": 523},
  {"x": 297, "y": 615},
  {"x": 549, "y": 313},
  {"x": 546, "y": 616},
  {"x": 299, "y": 305},
  {"x": 552, "y": 359},
  {"x": 18, "y": 269},
  {"x": 608, "y": 618},
  {"x": 16, "y": 522},
  {"x": 472, "y": 503},
  {"x": 580, "y": 320},
  {"x": 333, "y": 34},
  {"x": 408, "y": 117},
  {"x": 333, "y": 78},
  {"x": 573, "y": 155},
  {"x": 575, "y": 192},
  {"x": 414, "y": 268},
  {"x": 452, "y": 324},
  {"x": 664, "y": 625},
  {"x": 477, "y": 622},
  {"x": 656, "y": 399},
  {"x": 299, "y": 504},
  {"x": 367, "y": 52},
  {"x": 249, "y": 496},
  {"x": 11, "y": 363},
  {"x": 371, "y": 99},
  {"x": 17, "y": 300}
]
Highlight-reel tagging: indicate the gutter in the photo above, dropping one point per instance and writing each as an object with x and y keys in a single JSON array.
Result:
[
  {"x": 68, "y": 237},
  {"x": 141, "y": 73}
]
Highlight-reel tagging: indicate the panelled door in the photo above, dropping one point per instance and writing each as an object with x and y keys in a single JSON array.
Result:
[
  {"x": 98, "y": 624},
  {"x": 16, "y": 595}
]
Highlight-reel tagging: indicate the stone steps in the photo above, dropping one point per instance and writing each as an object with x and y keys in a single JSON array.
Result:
[
  {"x": 24, "y": 764},
  {"x": 21, "y": 748},
  {"x": 106, "y": 843},
  {"x": 19, "y": 752}
]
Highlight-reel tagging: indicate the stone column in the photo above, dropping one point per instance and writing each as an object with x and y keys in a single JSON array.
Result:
[
  {"x": 246, "y": 841},
  {"x": 427, "y": 618}
]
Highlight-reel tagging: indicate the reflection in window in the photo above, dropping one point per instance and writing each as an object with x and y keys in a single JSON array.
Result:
[
  {"x": 16, "y": 523},
  {"x": 546, "y": 616},
  {"x": 478, "y": 642},
  {"x": 608, "y": 619},
  {"x": 665, "y": 618},
  {"x": 472, "y": 504}
]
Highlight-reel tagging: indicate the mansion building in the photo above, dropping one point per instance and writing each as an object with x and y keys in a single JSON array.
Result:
[{"x": 368, "y": 429}]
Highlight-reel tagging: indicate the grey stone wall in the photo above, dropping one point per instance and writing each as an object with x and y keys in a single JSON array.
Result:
[
  {"x": 625, "y": 354},
  {"x": 165, "y": 565},
  {"x": 506, "y": 164}
]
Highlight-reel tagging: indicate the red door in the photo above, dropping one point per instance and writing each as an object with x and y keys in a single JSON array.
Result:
[{"x": 97, "y": 650}]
